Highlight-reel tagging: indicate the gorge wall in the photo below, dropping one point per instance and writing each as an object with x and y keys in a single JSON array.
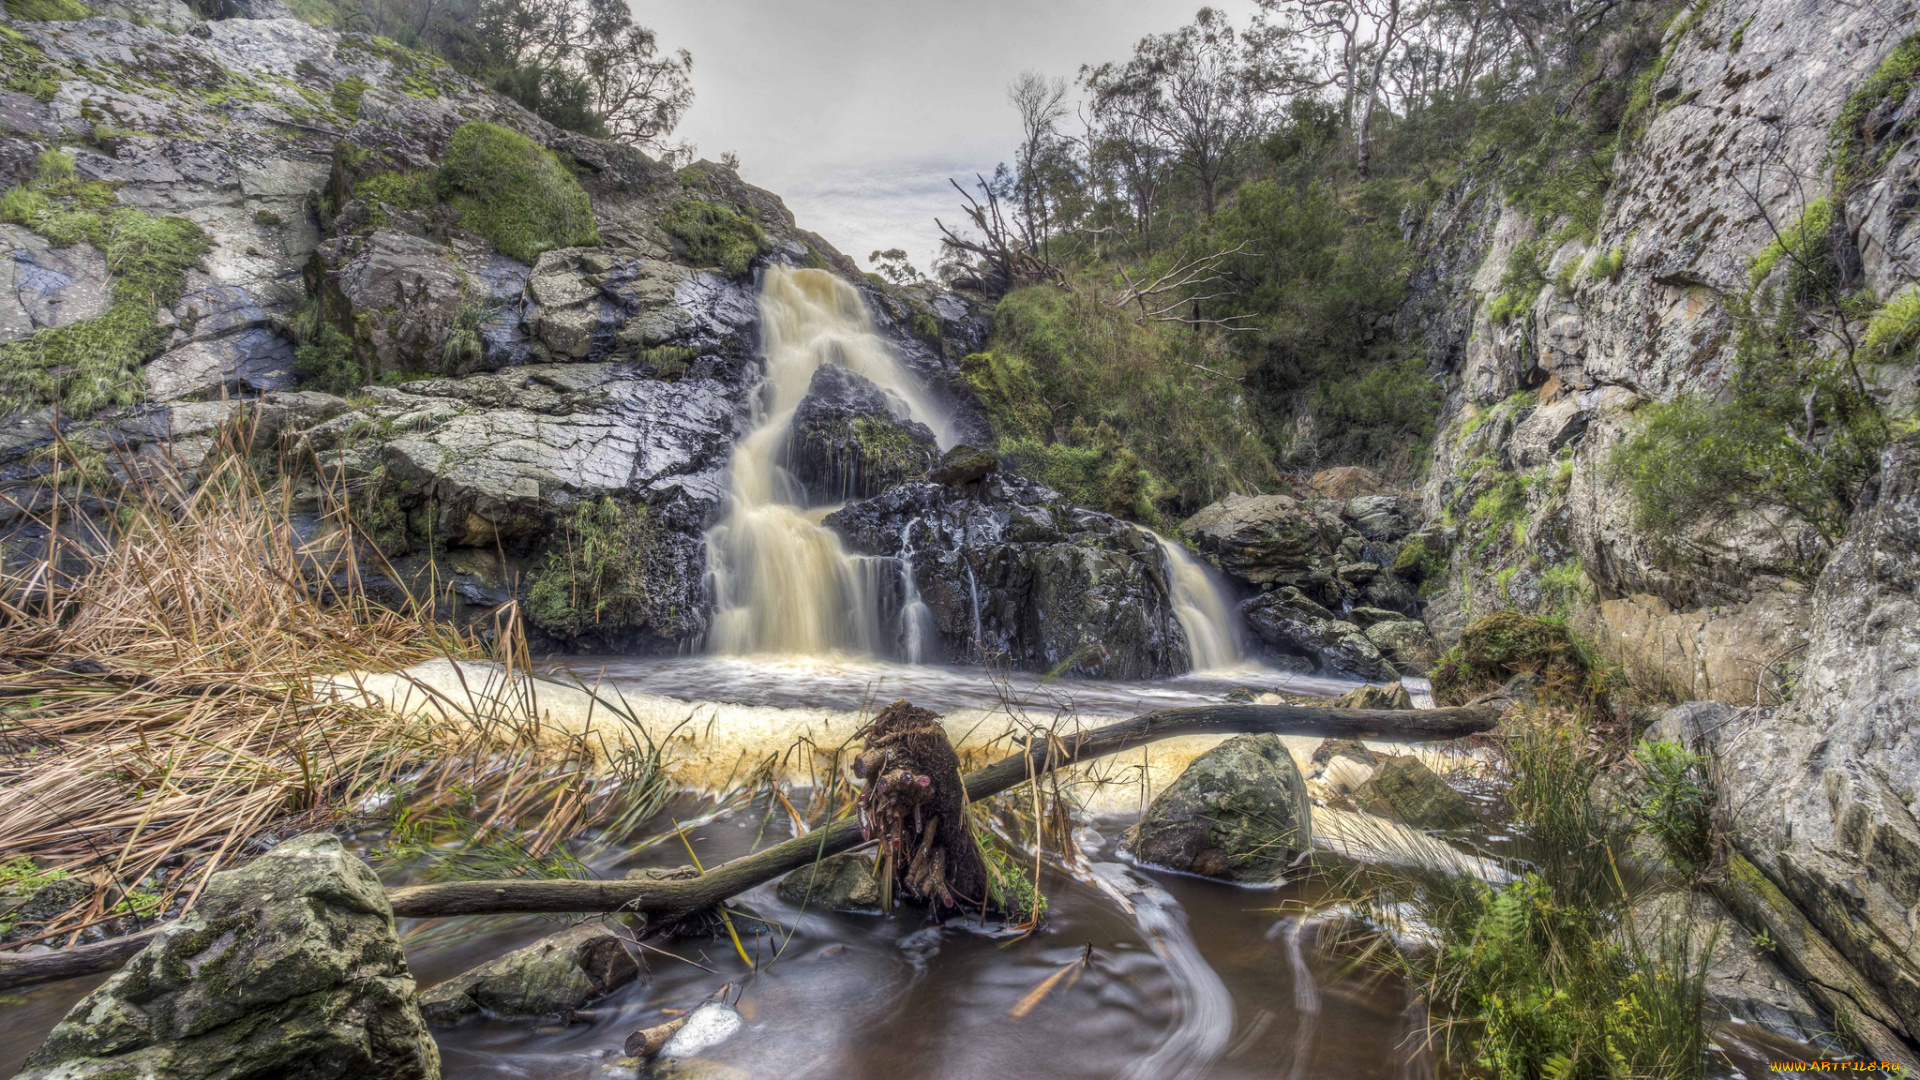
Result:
[{"x": 1764, "y": 115}]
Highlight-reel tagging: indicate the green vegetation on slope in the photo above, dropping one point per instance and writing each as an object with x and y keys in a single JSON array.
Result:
[
  {"x": 95, "y": 364},
  {"x": 716, "y": 234},
  {"x": 514, "y": 192},
  {"x": 48, "y": 10}
]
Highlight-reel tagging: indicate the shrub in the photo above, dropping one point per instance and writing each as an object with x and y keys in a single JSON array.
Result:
[
  {"x": 514, "y": 192},
  {"x": 1803, "y": 242},
  {"x": 325, "y": 361},
  {"x": 1858, "y": 152},
  {"x": 1677, "y": 808},
  {"x": 1507, "y": 643},
  {"x": 1520, "y": 283},
  {"x": 1111, "y": 412},
  {"x": 1608, "y": 264},
  {"x": 716, "y": 234},
  {"x": 1383, "y": 415}
]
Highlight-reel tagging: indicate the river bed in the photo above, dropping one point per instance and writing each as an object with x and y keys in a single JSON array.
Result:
[{"x": 1186, "y": 978}]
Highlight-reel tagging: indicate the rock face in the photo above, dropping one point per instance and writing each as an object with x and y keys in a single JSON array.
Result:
[
  {"x": 286, "y": 967},
  {"x": 1008, "y": 569},
  {"x": 1271, "y": 540},
  {"x": 555, "y": 975},
  {"x": 1821, "y": 792},
  {"x": 509, "y": 391},
  {"x": 849, "y": 440},
  {"x": 1239, "y": 812}
]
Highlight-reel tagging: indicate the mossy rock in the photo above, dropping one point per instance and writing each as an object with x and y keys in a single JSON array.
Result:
[
  {"x": 1239, "y": 811},
  {"x": 716, "y": 234},
  {"x": 836, "y": 883},
  {"x": 1404, "y": 790},
  {"x": 514, "y": 192},
  {"x": 1506, "y": 643}
]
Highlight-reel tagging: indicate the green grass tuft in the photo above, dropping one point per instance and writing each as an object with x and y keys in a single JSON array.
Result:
[
  {"x": 514, "y": 192},
  {"x": 1895, "y": 328},
  {"x": 716, "y": 234}
]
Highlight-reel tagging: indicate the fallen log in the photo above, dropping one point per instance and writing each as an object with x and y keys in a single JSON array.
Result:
[
  {"x": 664, "y": 901},
  {"x": 667, "y": 900}
]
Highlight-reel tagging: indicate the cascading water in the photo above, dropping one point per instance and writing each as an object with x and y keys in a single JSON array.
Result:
[
  {"x": 1200, "y": 604},
  {"x": 783, "y": 583}
]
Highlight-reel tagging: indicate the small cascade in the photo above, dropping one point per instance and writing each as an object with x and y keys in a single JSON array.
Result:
[
  {"x": 917, "y": 632},
  {"x": 1201, "y": 604},
  {"x": 782, "y": 582},
  {"x": 979, "y": 636}
]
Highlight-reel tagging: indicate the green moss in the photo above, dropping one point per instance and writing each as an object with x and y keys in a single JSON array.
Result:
[
  {"x": 49, "y": 10},
  {"x": 514, "y": 192},
  {"x": 1856, "y": 152},
  {"x": 1606, "y": 266},
  {"x": 346, "y": 96},
  {"x": 1010, "y": 885},
  {"x": 1894, "y": 329},
  {"x": 88, "y": 366},
  {"x": 398, "y": 190},
  {"x": 716, "y": 234},
  {"x": 1421, "y": 559}
]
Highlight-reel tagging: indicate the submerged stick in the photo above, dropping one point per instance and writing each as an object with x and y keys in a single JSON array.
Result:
[{"x": 664, "y": 901}]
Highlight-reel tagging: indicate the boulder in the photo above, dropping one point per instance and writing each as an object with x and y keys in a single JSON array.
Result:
[
  {"x": 851, "y": 440},
  {"x": 397, "y": 295},
  {"x": 286, "y": 967},
  {"x": 1271, "y": 540},
  {"x": 555, "y": 975},
  {"x": 963, "y": 466},
  {"x": 1290, "y": 624},
  {"x": 1009, "y": 570},
  {"x": 32, "y": 898},
  {"x": 1406, "y": 791},
  {"x": 1382, "y": 518},
  {"x": 1406, "y": 643},
  {"x": 1239, "y": 812},
  {"x": 1390, "y": 696},
  {"x": 42, "y": 286},
  {"x": 836, "y": 883}
]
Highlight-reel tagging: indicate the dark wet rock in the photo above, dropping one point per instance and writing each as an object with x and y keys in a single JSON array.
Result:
[
  {"x": 850, "y": 440},
  {"x": 1390, "y": 696},
  {"x": 1239, "y": 811},
  {"x": 1287, "y": 622},
  {"x": 836, "y": 883},
  {"x": 1404, "y": 790},
  {"x": 246, "y": 363},
  {"x": 1742, "y": 980},
  {"x": 1010, "y": 571},
  {"x": 286, "y": 967},
  {"x": 555, "y": 975},
  {"x": 397, "y": 294}
]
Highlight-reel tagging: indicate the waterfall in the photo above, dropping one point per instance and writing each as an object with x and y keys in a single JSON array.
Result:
[
  {"x": 1201, "y": 605},
  {"x": 916, "y": 619},
  {"x": 783, "y": 583}
]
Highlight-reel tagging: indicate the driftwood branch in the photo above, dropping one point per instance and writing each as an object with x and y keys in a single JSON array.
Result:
[{"x": 664, "y": 901}]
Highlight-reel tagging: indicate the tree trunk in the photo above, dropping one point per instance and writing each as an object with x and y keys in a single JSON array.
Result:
[{"x": 664, "y": 901}]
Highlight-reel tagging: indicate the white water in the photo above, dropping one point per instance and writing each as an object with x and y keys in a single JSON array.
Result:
[
  {"x": 1200, "y": 604},
  {"x": 783, "y": 583}
]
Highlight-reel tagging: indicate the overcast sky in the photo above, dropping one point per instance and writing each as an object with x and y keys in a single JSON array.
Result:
[{"x": 856, "y": 111}]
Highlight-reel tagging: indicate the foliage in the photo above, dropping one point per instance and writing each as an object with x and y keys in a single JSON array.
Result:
[
  {"x": 1521, "y": 281},
  {"x": 1796, "y": 434},
  {"x": 463, "y": 344},
  {"x": 1802, "y": 243},
  {"x": 1562, "y": 586},
  {"x": 1077, "y": 389},
  {"x": 94, "y": 364},
  {"x": 25, "y": 69},
  {"x": 48, "y": 10},
  {"x": 1677, "y": 808},
  {"x": 346, "y": 96},
  {"x": 1895, "y": 327},
  {"x": 1381, "y": 416},
  {"x": 598, "y": 571},
  {"x": 514, "y": 192},
  {"x": 1607, "y": 265},
  {"x": 1858, "y": 152},
  {"x": 716, "y": 234},
  {"x": 1010, "y": 886},
  {"x": 325, "y": 361}
]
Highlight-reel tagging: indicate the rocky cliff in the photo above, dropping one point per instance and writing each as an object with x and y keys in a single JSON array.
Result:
[
  {"x": 489, "y": 335},
  {"x": 1771, "y": 168}
]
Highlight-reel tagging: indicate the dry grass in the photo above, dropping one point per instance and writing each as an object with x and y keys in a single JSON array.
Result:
[{"x": 159, "y": 717}]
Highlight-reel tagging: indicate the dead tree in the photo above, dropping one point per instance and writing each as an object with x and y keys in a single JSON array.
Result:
[
  {"x": 1013, "y": 262},
  {"x": 1161, "y": 299}
]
